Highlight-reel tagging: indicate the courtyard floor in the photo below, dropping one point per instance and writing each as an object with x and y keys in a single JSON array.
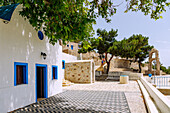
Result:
[{"x": 99, "y": 97}]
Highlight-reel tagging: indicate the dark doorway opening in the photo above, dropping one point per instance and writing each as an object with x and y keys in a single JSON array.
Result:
[{"x": 40, "y": 82}]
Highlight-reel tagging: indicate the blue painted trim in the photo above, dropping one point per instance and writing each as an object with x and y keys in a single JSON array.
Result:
[
  {"x": 71, "y": 47},
  {"x": 63, "y": 66},
  {"x": 25, "y": 69},
  {"x": 56, "y": 71},
  {"x": 124, "y": 75},
  {"x": 45, "y": 80},
  {"x": 40, "y": 35},
  {"x": 7, "y": 11}
]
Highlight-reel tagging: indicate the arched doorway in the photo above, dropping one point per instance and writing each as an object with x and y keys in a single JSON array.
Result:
[{"x": 154, "y": 61}]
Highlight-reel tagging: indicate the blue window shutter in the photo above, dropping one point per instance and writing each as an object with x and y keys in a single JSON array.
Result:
[
  {"x": 55, "y": 70},
  {"x": 25, "y": 72},
  {"x": 71, "y": 47}
]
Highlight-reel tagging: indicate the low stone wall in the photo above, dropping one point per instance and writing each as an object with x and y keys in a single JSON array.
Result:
[
  {"x": 116, "y": 75},
  {"x": 132, "y": 76},
  {"x": 81, "y": 71}
]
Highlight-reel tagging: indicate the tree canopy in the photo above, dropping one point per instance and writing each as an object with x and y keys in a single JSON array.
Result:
[
  {"x": 71, "y": 20},
  {"x": 136, "y": 48}
]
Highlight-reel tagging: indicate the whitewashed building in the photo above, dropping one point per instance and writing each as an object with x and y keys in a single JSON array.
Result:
[{"x": 30, "y": 67}]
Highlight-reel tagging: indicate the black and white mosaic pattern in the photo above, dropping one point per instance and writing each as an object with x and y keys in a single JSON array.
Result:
[{"x": 78, "y": 101}]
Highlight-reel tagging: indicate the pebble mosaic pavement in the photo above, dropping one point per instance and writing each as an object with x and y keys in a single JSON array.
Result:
[{"x": 78, "y": 101}]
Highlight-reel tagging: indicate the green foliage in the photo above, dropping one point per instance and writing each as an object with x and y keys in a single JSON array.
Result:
[
  {"x": 136, "y": 48},
  {"x": 106, "y": 40},
  {"x": 153, "y": 7},
  {"x": 140, "y": 47},
  {"x": 102, "y": 44},
  {"x": 60, "y": 19},
  {"x": 88, "y": 45},
  {"x": 164, "y": 69},
  {"x": 71, "y": 20}
]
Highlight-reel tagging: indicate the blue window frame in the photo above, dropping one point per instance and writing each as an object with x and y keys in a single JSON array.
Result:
[
  {"x": 20, "y": 73},
  {"x": 45, "y": 80},
  {"x": 71, "y": 47},
  {"x": 54, "y": 72},
  {"x": 67, "y": 45},
  {"x": 63, "y": 64}
]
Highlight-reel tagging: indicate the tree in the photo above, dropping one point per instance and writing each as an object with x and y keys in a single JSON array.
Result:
[
  {"x": 101, "y": 44},
  {"x": 72, "y": 20},
  {"x": 105, "y": 42},
  {"x": 139, "y": 49},
  {"x": 136, "y": 48},
  {"x": 164, "y": 69}
]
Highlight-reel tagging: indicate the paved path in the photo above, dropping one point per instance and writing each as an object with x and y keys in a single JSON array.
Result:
[
  {"x": 100, "y": 97},
  {"x": 131, "y": 91}
]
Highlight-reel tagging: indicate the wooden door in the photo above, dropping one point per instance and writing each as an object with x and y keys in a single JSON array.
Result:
[{"x": 40, "y": 82}]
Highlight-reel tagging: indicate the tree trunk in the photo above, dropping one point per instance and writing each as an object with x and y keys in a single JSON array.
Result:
[
  {"x": 108, "y": 64},
  {"x": 108, "y": 67},
  {"x": 140, "y": 70}
]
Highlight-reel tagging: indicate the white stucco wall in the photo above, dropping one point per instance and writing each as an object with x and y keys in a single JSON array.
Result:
[
  {"x": 67, "y": 58},
  {"x": 19, "y": 42}
]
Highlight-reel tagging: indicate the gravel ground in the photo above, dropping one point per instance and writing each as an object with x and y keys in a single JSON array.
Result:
[{"x": 131, "y": 90}]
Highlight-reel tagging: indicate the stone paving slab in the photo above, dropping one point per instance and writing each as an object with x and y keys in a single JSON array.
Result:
[
  {"x": 99, "y": 97},
  {"x": 80, "y": 101},
  {"x": 132, "y": 92}
]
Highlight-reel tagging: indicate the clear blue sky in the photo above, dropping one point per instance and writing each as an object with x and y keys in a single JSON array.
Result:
[{"x": 137, "y": 23}]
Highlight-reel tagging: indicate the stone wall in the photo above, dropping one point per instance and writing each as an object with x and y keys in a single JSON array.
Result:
[
  {"x": 67, "y": 58},
  {"x": 135, "y": 66},
  {"x": 92, "y": 55},
  {"x": 80, "y": 71},
  {"x": 119, "y": 63}
]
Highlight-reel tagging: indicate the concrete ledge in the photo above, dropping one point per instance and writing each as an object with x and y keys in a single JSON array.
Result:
[
  {"x": 162, "y": 102},
  {"x": 149, "y": 104},
  {"x": 79, "y": 61},
  {"x": 132, "y": 76},
  {"x": 135, "y": 76}
]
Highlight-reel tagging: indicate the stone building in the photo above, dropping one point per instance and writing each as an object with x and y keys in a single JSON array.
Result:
[
  {"x": 71, "y": 48},
  {"x": 92, "y": 56}
]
